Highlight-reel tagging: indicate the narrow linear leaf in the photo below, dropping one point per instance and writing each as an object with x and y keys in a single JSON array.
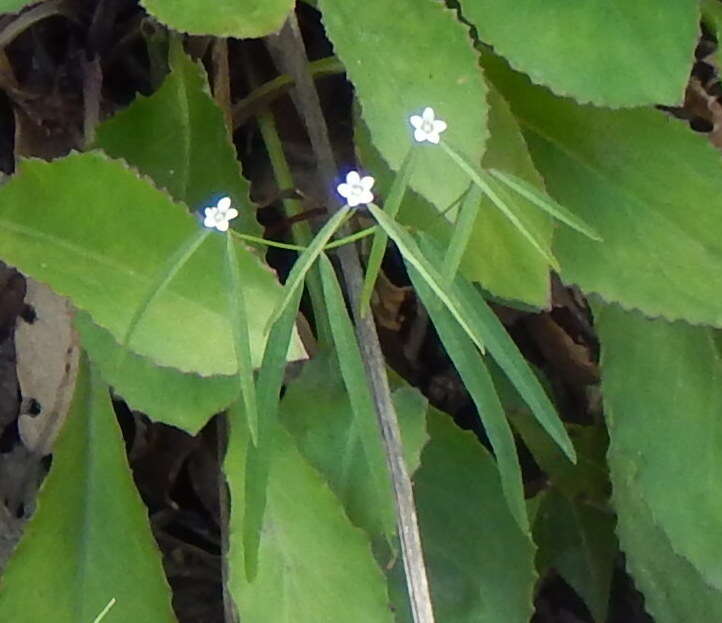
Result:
[
  {"x": 304, "y": 261},
  {"x": 463, "y": 230},
  {"x": 500, "y": 200},
  {"x": 305, "y": 534},
  {"x": 409, "y": 249},
  {"x": 364, "y": 431},
  {"x": 381, "y": 239},
  {"x": 546, "y": 203},
  {"x": 505, "y": 353},
  {"x": 165, "y": 275},
  {"x": 474, "y": 373},
  {"x": 92, "y": 525},
  {"x": 241, "y": 338},
  {"x": 258, "y": 457}
]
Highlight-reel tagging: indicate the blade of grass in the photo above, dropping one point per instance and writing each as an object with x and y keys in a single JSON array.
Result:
[
  {"x": 546, "y": 203},
  {"x": 105, "y": 611},
  {"x": 165, "y": 276},
  {"x": 241, "y": 339},
  {"x": 305, "y": 261},
  {"x": 500, "y": 199},
  {"x": 268, "y": 392},
  {"x": 488, "y": 326},
  {"x": 473, "y": 371},
  {"x": 365, "y": 425},
  {"x": 465, "y": 220},
  {"x": 412, "y": 255},
  {"x": 381, "y": 239}
]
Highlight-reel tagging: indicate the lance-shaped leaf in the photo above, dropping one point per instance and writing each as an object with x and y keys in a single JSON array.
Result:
[
  {"x": 552, "y": 40},
  {"x": 89, "y": 530},
  {"x": 401, "y": 57},
  {"x": 502, "y": 348},
  {"x": 97, "y": 233},
  {"x": 313, "y": 564},
  {"x": 477, "y": 380},
  {"x": 178, "y": 137}
]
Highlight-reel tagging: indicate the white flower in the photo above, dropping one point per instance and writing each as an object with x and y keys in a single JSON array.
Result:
[
  {"x": 356, "y": 190},
  {"x": 427, "y": 127},
  {"x": 220, "y": 215}
]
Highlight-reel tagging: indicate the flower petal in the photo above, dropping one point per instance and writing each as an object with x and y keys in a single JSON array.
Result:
[
  {"x": 353, "y": 178},
  {"x": 224, "y": 203},
  {"x": 222, "y": 226},
  {"x": 367, "y": 182},
  {"x": 344, "y": 190},
  {"x": 439, "y": 126},
  {"x": 419, "y": 135},
  {"x": 428, "y": 114},
  {"x": 231, "y": 214},
  {"x": 416, "y": 121},
  {"x": 433, "y": 138},
  {"x": 365, "y": 197}
]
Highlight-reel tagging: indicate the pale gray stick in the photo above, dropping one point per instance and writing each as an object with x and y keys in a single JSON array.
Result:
[{"x": 290, "y": 55}]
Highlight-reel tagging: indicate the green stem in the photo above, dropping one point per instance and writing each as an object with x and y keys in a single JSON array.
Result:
[
  {"x": 268, "y": 243},
  {"x": 352, "y": 238},
  {"x": 302, "y": 234}
]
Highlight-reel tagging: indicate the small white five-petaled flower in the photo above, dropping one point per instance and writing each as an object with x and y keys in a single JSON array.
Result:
[
  {"x": 220, "y": 215},
  {"x": 356, "y": 189},
  {"x": 427, "y": 127}
]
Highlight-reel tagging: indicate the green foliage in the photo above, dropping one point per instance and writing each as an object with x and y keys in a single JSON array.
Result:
[
  {"x": 221, "y": 18},
  {"x": 401, "y": 57},
  {"x": 305, "y": 534},
  {"x": 662, "y": 399},
  {"x": 90, "y": 529},
  {"x": 178, "y": 137},
  {"x": 13, "y": 6},
  {"x": 481, "y": 564},
  {"x": 585, "y": 49},
  {"x": 59, "y": 223},
  {"x": 648, "y": 185}
]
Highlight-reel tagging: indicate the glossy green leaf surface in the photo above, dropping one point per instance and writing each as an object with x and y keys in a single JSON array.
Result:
[
  {"x": 178, "y": 137},
  {"x": 89, "y": 530},
  {"x": 402, "y": 57},
  {"x": 660, "y": 217},
  {"x": 582, "y": 49},
  {"x": 60, "y": 224},
  {"x": 662, "y": 385},
  {"x": 167, "y": 395},
  {"x": 313, "y": 564},
  {"x": 221, "y": 18},
  {"x": 328, "y": 436},
  {"x": 481, "y": 565},
  {"x": 577, "y": 540}
]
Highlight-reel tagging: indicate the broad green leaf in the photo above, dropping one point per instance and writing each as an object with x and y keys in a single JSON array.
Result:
[
  {"x": 240, "y": 328},
  {"x": 662, "y": 387},
  {"x": 481, "y": 565},
  {"x": 306, "y": 259},
  {"x": 328, "y": 436},
  {"x": 577, "y": 539},
  {"x": 178, "y": 137},
  {"x": 582, "y": 49},
  {"x": 472, "y": 369},
  {"x": 660, "y": 217},
  {"x": 313, "y": 564},
  {"x": 222, "y": 18},
  {"x": 489, "y": 330},
  {"x": 14, "y": 6},
  {"x": 184, "y": 400},
  {"x": 60, "y": 224},
  {"x": 89, "y": 540},
  {"x": 497, "y": 255},
  {"x": 401, "y": 57},
  {"x": 258, "y": 457}
]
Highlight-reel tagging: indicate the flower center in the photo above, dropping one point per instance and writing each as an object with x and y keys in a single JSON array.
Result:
[{"x": 427, "y": 126}]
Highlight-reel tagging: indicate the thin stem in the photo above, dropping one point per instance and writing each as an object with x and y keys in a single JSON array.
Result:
[
  {"x": 302, "y": 234},
  {"x": 352, "y": 238},
  {"x": 268, "y": 243}
]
